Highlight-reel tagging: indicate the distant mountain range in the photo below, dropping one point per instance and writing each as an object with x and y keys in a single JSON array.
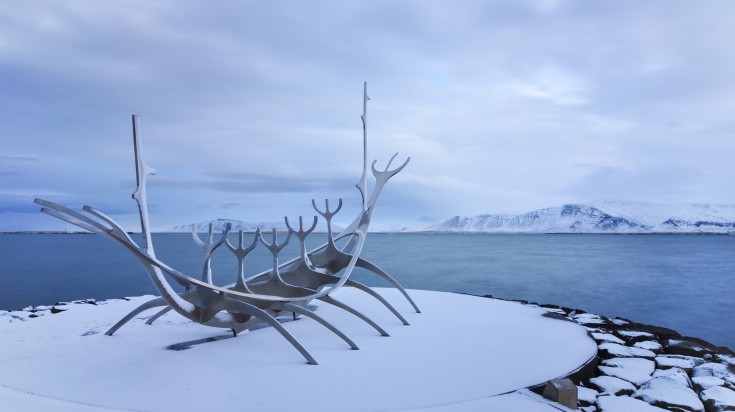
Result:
[
  {"x": 219, "y": 226},
  {"x": 596, "y": 217}
]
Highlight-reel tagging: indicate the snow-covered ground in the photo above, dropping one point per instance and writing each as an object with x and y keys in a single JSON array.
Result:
[{"x": 459, "y": 354}]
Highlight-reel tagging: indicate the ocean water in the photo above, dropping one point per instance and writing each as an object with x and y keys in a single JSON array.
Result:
[{"x": 682, "y": 282}]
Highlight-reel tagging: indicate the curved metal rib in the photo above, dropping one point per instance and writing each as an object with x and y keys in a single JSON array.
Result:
[
  {"x": 142, "y": 308},
  {"x": 158, "y": 315},
  {"x": 376, "y": 295},
  {"x": 238, "y": 306},
  {"x": 335, "y": 302},
  {"x": 362, "y": 263},
  {"x": 303, "y": 311}
]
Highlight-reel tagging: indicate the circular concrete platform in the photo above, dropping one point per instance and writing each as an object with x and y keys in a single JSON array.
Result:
[{"x": 459, "y": 350}]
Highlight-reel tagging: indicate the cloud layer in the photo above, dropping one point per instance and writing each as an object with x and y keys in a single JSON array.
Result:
[{"x": 250, "y": 109}]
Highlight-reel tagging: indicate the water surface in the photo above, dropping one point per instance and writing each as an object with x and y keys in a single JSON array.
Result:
[{"x": 681, "y": 282}]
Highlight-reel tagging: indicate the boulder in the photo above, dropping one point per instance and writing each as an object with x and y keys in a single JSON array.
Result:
[
  {"x": 620, "y": 321},
  {"x": 633, "y": 336},
  {"x": 658, "y": 331},
  {"x": 668, "y": 393},
  {"x": 676, "y": 374},
  {"x": 678, "y": 361},
  {"x": 717, "y": 399},
  {"x": 624, "y": 404},
  {"x": 718, "y": 370},
  {"x": 611, "y": 385},
  {"x": 705, "y": 382},
  {"x": 690, "y": 347},
  {"x": 586, "y": 396},
  {"x": 634, "y": 370},
  {"x": 589, "y": 319},
  {"x": 726, "y": 359},
  {"x": 651, "y": 345},
  {"x": 607, "y": 337},
  {"x": 614, "y": 350}
]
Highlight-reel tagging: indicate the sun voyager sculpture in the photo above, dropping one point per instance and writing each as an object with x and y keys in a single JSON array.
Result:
[{"x": 284, "y": 288}]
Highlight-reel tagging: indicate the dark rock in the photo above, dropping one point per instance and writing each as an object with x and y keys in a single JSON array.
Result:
[
  {"x": 652, "y": 345},
  {"x": 612, "y": 385},
  {"x": 666, "y": 392},
  {"x": 586, "y": 396},
  {"x": 676, "y": 374},
  {"x": 33, "y": 315},
  {"x": 678, "y": 361},
  {"x": 55, "y": 310},
  {"x": 589, "y": 319},
  {"x": 705, "y": 382},
  {"x": 609, "y": 350},
  {"x": 634, "y": 370},
  {"x": 725, "y": 358},
  {"x": 624, "y": 404},
  {"x": 635, "y": 336},
  {"x": 661, "y": 333},
  {"x": 554, "y": 315},
  {"x": 601, "y": 337},
  {"x": 718, "y": 370},
  {"x": 549, "y": 306},
  {"x": 717, "y": 399},
  {"x": 689, "y": 346},
  {"x": 570, "y": 310},
  {"x": 621, "y": 321}
]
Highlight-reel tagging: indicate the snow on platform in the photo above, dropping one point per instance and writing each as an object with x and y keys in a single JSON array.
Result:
[{"x": 457, "y": 355}]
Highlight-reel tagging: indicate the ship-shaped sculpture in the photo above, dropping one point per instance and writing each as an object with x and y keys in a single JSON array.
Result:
[{"x": 284, "y": 288}]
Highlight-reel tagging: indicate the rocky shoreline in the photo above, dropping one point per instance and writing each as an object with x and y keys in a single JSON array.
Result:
[
  {"x": 639, "y": 367},
  {"x": 649, "y": 368}
]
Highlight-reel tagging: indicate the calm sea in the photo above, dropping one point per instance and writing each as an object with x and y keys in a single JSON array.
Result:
[{"x": 682, "y": 282}]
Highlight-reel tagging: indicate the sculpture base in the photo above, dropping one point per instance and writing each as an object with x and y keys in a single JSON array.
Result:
[{"x": 458, "y": 353}]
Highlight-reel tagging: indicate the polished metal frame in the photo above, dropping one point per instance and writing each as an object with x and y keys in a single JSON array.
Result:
[{"x": 285, "y": 288}]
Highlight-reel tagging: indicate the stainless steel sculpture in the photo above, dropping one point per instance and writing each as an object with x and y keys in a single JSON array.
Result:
[{"x": 282, "y": 289}]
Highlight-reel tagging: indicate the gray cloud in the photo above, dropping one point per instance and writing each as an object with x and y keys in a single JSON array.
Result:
[{"x": 502, "y": 105}]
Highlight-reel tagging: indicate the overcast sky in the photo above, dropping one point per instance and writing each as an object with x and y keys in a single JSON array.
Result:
[{"x": 248, "y": 110}]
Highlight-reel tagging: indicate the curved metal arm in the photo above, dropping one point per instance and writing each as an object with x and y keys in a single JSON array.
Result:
[
  {"x": 301, "y": 234},
  {"x": 209, "y": 247},
  {"x": 240, "y": 253},
  {"x": 275, "y": 248},
  {"x": 387, "y": 174},
  {"x": 327, "y": 215}
]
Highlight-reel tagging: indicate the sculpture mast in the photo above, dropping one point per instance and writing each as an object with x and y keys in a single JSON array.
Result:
[
  {"x": 363, "y": 180},
  {"x": 142, "y": 171}
]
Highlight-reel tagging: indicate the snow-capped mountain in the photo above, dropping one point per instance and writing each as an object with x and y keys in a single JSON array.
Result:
[
  {"x": 219, "y": 226},
  {"x": 598, "y": 217}
]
